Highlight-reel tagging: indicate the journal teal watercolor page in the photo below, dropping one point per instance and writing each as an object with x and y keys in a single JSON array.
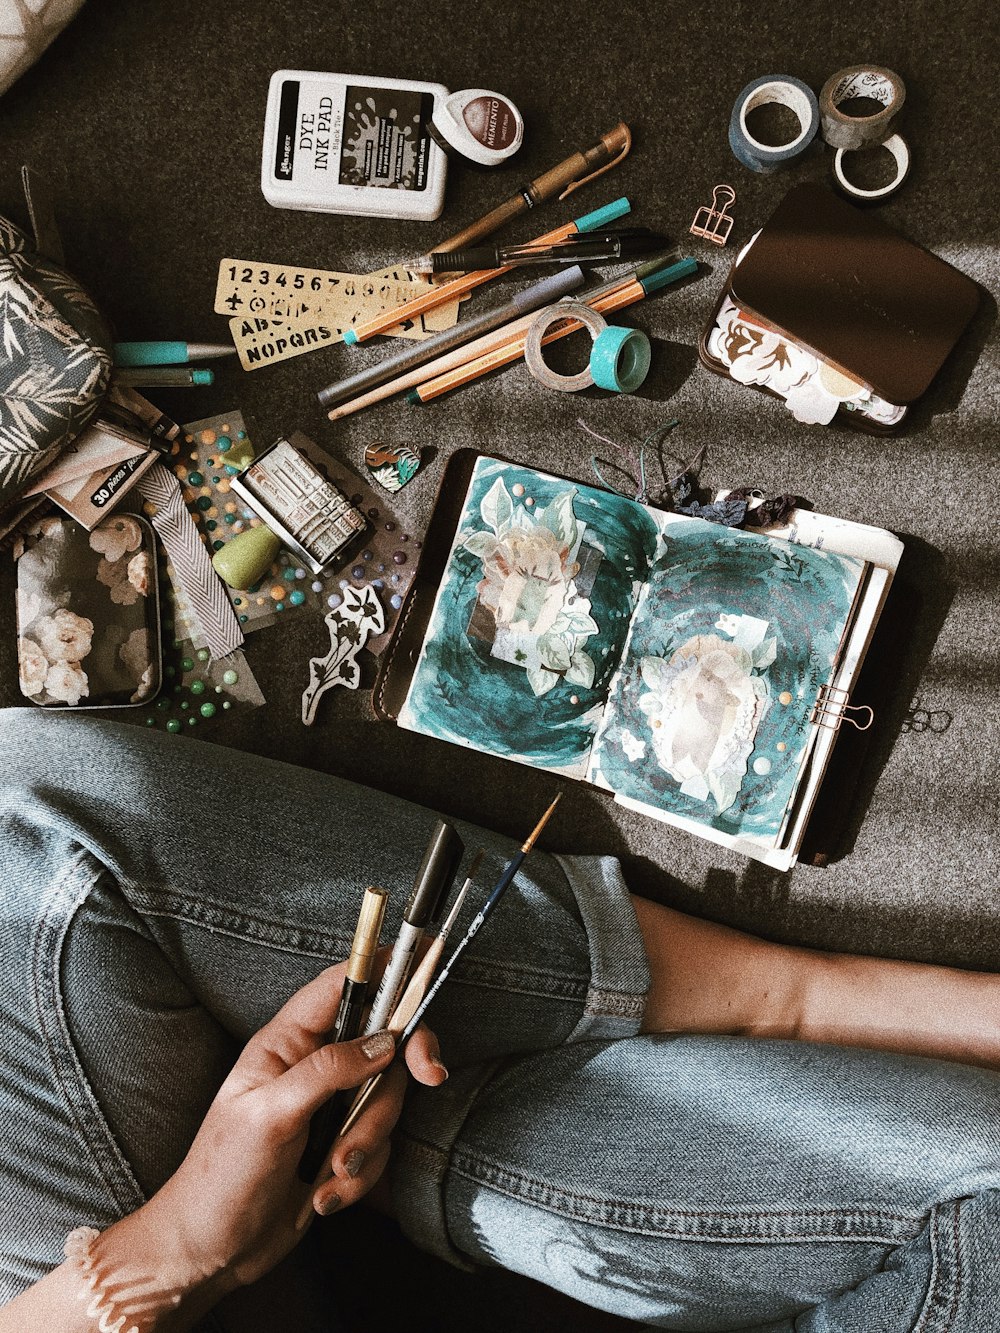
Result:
[
  {"x": 531, "y": 617},
  {"x": 708, "y": 718}
]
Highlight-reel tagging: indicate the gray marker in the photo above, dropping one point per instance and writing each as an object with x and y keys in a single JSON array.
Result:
[{"x": 531, "y": 298}]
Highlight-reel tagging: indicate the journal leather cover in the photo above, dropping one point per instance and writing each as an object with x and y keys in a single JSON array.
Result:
[
  {"x": 834, "y": 277},
  {"x": 824, "y": 830},
  {"x": 400, "y": 658}
]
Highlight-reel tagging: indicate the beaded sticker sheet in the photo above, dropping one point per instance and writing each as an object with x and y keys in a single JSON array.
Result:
[{"x": 385, "y": 557}]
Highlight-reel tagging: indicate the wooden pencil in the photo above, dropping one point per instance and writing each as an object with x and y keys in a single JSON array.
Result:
[
  {"x": 506, "y": 335},
  {"x": 450, "y": 291},
  {"x": 513, "y": 348}
]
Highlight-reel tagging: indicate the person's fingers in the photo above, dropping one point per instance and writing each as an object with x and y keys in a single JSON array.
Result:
[
  {"x": 359, "y": 1173},
  {"x": 423, "y": 1057},
  {"x": 303, "y": 1089},
  {"x": 300, "y": 1026},
  {"x": 365, "y": 1142}
]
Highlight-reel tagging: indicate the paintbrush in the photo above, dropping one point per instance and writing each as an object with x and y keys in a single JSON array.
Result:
[{"x": 502, "y": 884}]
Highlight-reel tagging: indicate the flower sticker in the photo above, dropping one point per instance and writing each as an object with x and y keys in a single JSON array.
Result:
[
  {"x": 67, "y": 682},
  {"x": 704, "y": 705},
  {"x": 528, "y": 586},
  {"x": 115, "y": 537},
  {"x": 140, "y": 573},
  {"x": 32, "y": 666},
  {"x": 64, "y": 636}
]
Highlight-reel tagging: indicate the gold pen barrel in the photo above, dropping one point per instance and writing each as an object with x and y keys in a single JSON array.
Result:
[
  {"x": 561, "y": 180},
  {"x": 485, "y": 226},
  {"x": 366, "y": 933}
]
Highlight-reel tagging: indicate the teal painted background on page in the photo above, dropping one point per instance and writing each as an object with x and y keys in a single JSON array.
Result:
[
  {"x": 463, "y": 694},
  {"x": 706, "y": 572}
]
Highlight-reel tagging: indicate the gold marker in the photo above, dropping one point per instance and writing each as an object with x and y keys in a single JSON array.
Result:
[{"x": 347, "y": 1025}]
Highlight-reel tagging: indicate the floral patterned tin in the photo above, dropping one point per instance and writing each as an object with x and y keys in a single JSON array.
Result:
[{"x": 88, "y": 619}]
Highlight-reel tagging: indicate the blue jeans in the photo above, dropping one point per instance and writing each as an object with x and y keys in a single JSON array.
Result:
[{"x": 163, "y": 897}]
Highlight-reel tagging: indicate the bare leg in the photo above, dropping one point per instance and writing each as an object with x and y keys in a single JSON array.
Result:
[{"x": 709, "y": 978}]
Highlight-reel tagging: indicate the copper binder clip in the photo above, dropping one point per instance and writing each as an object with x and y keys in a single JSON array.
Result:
[
  {"x": 831, "y": 709},
  {"x": 713, "y": 223}
]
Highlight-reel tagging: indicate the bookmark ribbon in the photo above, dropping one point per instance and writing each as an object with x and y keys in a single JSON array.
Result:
[{"x": 203, "y": 587}]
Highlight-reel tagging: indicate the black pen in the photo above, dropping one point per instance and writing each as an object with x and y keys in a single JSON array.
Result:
[
  {"x": 437, "y": 870},
  {"x": 347, "y": 1025},
  {"x": 592, "y": 248}
]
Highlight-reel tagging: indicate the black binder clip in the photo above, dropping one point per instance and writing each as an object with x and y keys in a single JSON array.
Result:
[{"x": 831, "y": 710}]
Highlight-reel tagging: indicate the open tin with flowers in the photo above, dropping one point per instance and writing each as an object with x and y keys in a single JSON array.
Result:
[{"x": 88, "y": 613}]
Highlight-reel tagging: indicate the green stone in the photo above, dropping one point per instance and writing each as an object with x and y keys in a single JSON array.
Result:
[
  {"x": 197, "y": 687},
  {"x": 243, "y": 561},
  {"x": 173, "y": 726},
  {"x": 241, "y": 455},
  {"x": 207, "y": 710}
]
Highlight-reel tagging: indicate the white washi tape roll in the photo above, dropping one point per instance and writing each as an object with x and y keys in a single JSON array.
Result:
[
  {"x": 841, "y": 130},
  {"x": 784, "y": 90},
  {"x": 591, "y": 320},
  {"x": 897, "y": 146}
]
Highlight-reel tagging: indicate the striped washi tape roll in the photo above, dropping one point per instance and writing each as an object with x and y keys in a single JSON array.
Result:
[
  {"x": 189, "y": 556},
  {"x": 783, "y": 90},
  {"x": 839, "y": 128}
]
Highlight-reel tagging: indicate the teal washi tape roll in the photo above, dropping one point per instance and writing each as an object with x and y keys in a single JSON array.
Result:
[
  {"x": 784, "y": 90},
  {"x": 619, "y": 358}
]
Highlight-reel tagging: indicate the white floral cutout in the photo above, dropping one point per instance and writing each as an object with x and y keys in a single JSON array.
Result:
[
  {"x": 528, "y": 585},
  {"x": 704, "y": 704}
]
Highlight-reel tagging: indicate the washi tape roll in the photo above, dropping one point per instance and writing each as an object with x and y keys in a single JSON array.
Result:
[
  {"x": 591, "y": 320},
  {"x": 783, "y": 90},
  {"x": 843, "y": 130},
  {"x": 620, "y": 358},
  {"x": 899, "y": 149}
]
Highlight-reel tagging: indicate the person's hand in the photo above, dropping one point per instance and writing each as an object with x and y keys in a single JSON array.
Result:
[{"x": 235, "y": 1206}]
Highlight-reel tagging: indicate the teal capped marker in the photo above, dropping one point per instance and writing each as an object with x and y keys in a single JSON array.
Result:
[
  {"x": 161, "y": 377},
  {"x": 601, "y": 217},
  {"x": 662, "y": 277},
  {"x": 168, "y": 353}
]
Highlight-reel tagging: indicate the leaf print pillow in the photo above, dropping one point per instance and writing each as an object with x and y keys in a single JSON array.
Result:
[{"x": 54, "y": 361}]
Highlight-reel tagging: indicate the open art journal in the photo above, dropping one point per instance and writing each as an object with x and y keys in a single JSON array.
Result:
[{"x": 672, "y": 661}]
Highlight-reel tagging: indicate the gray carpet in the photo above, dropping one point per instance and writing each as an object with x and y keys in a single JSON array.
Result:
[
  {"x": 148, "y": 120},
  {"x": 148, "y": 117}
]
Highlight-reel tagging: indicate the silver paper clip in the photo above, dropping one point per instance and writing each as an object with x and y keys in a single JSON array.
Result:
[
  {"x": 832, "y": 707},
  {"x": 713, "y": 223}
]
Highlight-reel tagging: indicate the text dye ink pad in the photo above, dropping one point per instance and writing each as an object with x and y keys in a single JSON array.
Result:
[{"x": 344, "y": 143}]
